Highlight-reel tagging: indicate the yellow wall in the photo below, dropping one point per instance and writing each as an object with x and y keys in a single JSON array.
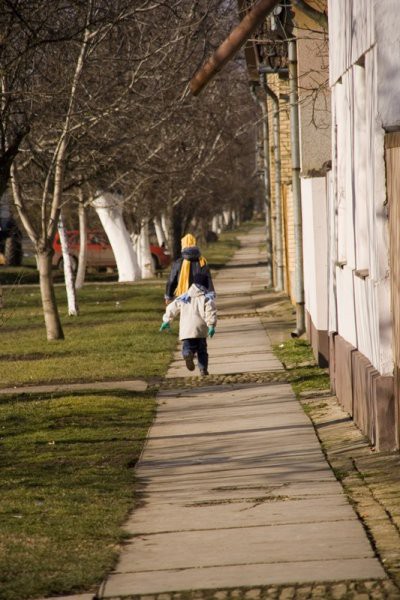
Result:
[{"x": 281, "y": 86}]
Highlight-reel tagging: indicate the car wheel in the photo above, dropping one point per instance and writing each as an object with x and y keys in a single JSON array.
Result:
[{"x": 155, "y": 262}]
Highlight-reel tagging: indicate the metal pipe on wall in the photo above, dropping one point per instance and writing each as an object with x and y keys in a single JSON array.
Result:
[
  {"x": 231, "y": 44},
  {"x": 297, "y": 217},
  {"x": 267, "y": 182},
  {"x": 279, "y": 286}
]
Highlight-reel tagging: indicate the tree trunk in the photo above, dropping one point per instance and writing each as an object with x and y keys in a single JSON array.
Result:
[
  {"x": 227, "y": 218},
  {"x": 147, "y": 261},
  {"x": 51, "y": 317},
  {"x": 80, "y": 275},
  {"x": 214, "y": 224},
  {"x": 161, "y": 237},
  {"x": 175, "y": 232},
  {"x": 73, "y": 309},
  {"x": 164, "y": 225},
  {"x": 108, "y": 208}
]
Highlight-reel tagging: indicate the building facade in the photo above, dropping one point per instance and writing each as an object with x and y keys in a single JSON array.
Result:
[{"x": 363, "y": 290}]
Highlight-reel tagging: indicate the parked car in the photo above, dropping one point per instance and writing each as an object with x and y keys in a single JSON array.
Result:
[{"x": 99, "y": 251}]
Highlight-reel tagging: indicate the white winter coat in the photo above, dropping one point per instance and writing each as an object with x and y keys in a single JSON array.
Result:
[{"x": 197, "y": 315}]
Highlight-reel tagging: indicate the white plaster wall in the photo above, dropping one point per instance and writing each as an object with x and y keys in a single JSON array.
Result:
[
  {"x": 340, "y": 166},
  {"x": 387, "y": 33},
  {"x": 365, "y": 323},
  {"x": 359, "y": 192},
  {"x": 378, "y": 219},
  {"x": 315, "y": 249},
  {"x": 315, "y": 118},
  {"x": 308, "y": 246},
  {"x": 361, "y": 208},
  {"x": 347, "y": 154},
  {"x": 346, "y": 315},
  {"x": 385, "y": 358},
  {"x": 332, "y": 250},
  {"x": 351, "y": 33}
]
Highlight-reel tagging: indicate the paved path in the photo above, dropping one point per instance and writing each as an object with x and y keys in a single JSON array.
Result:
[
  {"x": 234, "y": 488},
  {"x": 136, "y": 385}
]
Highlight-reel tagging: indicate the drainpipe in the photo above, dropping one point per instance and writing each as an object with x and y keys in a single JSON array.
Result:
[
  {"x": 232, "y": 44},
  {"x": 278, "y": 180},
  {"x": 295, "y": 147},
  {"x": 267, "y": 182}
]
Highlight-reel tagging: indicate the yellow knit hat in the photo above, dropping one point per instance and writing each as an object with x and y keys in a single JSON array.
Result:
[{"x": 187, "y": 241}]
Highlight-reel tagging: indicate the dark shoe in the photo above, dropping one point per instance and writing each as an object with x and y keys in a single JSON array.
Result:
[
  {"x": 189, "y": 361},
  {"x": 203, "y": 372}
]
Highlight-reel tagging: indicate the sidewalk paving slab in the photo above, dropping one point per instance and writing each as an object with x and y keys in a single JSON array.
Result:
[
  {"x": 76, "y": 597},
  {"x": 234, "y": 489},
  {"x": 131, "y": 386}
]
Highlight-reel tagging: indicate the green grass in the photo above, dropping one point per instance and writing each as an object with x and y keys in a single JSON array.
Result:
[
  {"x": 67, "y": 485},
  {"x": 303, "y": 373},
  {"x": 28, "y": 274},
  {"x": 66, "y": 460},
  {"x": 116, "y": 336}
]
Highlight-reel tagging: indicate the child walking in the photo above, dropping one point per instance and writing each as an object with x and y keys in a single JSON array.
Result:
[{"x": 198, "y": 318}]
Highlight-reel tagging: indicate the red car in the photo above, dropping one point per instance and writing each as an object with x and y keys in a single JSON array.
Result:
[{"x": 99, "y": 251}]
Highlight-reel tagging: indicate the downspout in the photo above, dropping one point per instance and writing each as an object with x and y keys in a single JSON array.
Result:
[
  {"x": 267, "y": 182},
  {"x": 297, "y": 219},
  {"x": 278, "y": 181}
]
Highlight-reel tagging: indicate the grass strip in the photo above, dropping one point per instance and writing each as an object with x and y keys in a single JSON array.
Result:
[
  {"x": 302, "y": 371},
  {"x": 67, "y": 485},
  {"x": 67, "y": 460},
  {"x": 115, "y": 336}
]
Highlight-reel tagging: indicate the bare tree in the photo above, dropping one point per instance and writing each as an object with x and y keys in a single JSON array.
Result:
[{"x": 115, "y": 115}]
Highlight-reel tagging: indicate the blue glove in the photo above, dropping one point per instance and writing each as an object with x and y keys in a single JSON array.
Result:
[
  {"x": 211, "y": 331},
  {"x": 164, "y": 326}
]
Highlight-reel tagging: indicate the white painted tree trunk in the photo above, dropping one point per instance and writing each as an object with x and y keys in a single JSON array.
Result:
[
  {"x": 164, "y": 225},
  {"x": 80, "y": 275},
  {"x": 227, "y": 218},
  {"x": 135, "y": 240},
  {"x": 234, "y": 218},
  {"x": 214, "y": 224},
  {"x": 160, "y": 232},
  {"x": 73, "y": 309},
  {"x": 220, "y": 223},
  {"x": 145, "y": 254},
  {"x": 109, "y": 209}
]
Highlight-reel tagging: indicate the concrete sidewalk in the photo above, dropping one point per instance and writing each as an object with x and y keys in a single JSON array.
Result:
[{"x": 233, "y": 487}]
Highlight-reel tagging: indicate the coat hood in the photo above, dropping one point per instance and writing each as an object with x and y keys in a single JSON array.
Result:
[{"x": 194, "y": 291}]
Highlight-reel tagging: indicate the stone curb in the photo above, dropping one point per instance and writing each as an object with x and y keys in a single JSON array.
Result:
[{"x": 343, "y": 590}]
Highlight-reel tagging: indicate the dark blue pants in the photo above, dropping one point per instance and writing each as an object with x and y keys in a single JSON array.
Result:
[{"x": 196, "y": 346}]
